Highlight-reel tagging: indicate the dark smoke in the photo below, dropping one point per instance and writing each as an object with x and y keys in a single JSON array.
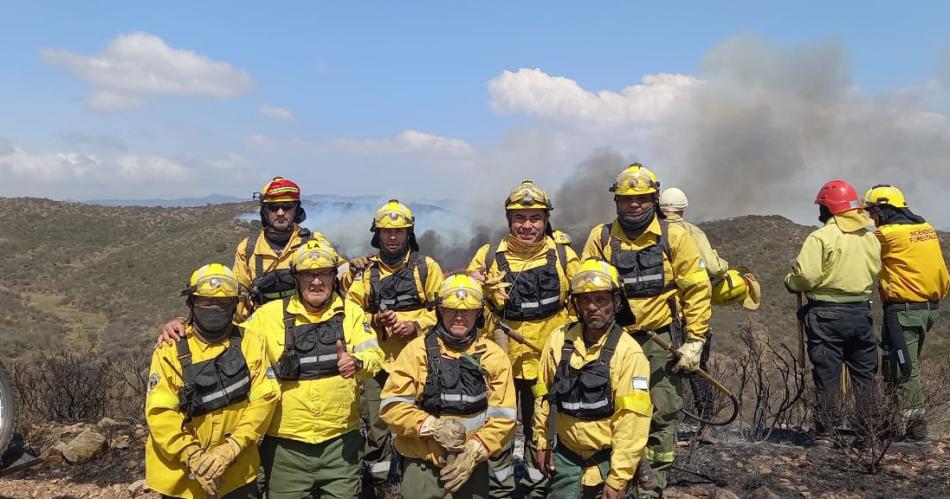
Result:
[{"x": 583, "y": 200}]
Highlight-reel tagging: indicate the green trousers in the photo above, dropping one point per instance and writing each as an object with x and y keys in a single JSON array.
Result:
[
  {"x": 329, "y": 469},
  {"x": 420, "y": 480},
  {"x": 248, "y": 491},
  {"x": 566, "y": 483},
  {"x": 910, "y": 391},
  {"x": 665, "y": 389},
  {"x": 502, "y": 476},
  {"x": 377, "y": 452}
]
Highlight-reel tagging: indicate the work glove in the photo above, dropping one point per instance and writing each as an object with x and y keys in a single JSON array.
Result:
[
  {"x": 501, "y": 339},
  {"x": 213, "y": 462},
  {"x": 447, "y": 432},
  {"x": 689, "y": 355},
  {"x": 359, "y": 263},
  {"x": 495, "y": 286},
  {"x": 456, "y": 473},
  {"x": 193, "y": 457}
]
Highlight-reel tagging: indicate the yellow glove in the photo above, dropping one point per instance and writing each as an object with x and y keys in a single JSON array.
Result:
[
  {"x": 216, "y": 460},
  {"x": 496, "y": 287},
  {"x": 455, "y": 474},
  {"x": 193, "y": 456},
  {"x": 689, "y": 355},
  {"x": 447, "y": 432},
  {"x": 359, "y": 263}
]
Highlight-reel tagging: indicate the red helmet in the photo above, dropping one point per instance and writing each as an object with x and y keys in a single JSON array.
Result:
[
  {"x": 279, "y": 190},
  {"x": 838, "y": 196}
]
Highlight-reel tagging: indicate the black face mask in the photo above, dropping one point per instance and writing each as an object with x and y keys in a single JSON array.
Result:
[
  {"x": 215, "y": 322},
  {"x": 634, "y": 225},
  {"x": 454, "y": 342},
  {"x": 278, "y": 237},
  {"x": 393, "y": 259}
]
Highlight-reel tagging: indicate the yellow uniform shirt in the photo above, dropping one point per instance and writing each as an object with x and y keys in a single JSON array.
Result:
[
  {"x": 403, "y": 391},
  {"x": 359, "y": 293},
  {"x": 317, "y": 410},
  {"x": 170, "y": 432},
  {"x": 714, "y": 265},
  {"x": 835, "y": 265},
  {"x": 684, "y": 276},
  {"x": 914, "y": 268},
  {"x": 524, "y": 361},
  {"x": 626, "y": 431}
]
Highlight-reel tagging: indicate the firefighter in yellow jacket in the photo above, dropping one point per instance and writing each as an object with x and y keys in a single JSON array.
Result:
[
  {"x": 397, "y": 289},
  {"x": 535, "y": 264},
  {"x": 209, "y": 398},
  {"x": 450, "y": 400},
  {"x": 660, "y": 268},
  {"x": 913, "y": 281},
  {"x": 836, "y": 269},
  {"x": 602, "y": 426},
  {"x": 319, "y": 346}
]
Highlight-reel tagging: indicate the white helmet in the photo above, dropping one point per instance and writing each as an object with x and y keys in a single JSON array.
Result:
[{"x": 673, "y": 199}]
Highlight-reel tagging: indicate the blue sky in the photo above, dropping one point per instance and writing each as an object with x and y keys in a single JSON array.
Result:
[{"x": 396, "y": 96}]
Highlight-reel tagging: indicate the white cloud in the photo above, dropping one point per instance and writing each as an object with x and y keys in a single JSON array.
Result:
[
  {"x": 409, "y": 142},
  {"x": 535, "y": 92},
  {"x": 277, "y": 113},
  {"x": 138, "y": 65}
]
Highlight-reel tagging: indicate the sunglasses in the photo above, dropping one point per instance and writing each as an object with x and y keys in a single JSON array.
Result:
[{"x": 275, "y": 207}]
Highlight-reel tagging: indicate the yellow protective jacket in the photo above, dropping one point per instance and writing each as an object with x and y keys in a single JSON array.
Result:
[
  {"x": 524, "y": 361},
  {"x": 170, "y": 432},
  {"x": 317, "y": 410},
  {"x": 684, "y": 276},
  {"x": 838, "y": 262},
  {"x": 245, "y": 264},
  {"x": 399, "y": 398},
  {"x": 359, "y": 292},
  {"x": 714, "y": 265},
  {"x": 625, "y": 432},
  {"x": 914, "y": 269}
]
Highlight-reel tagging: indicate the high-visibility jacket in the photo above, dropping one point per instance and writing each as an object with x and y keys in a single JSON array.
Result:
[
  {"x": 171, "y": 433},
  {"x": 400, "y": 405},
  {"x": 714, "y": 264},
  {"x": 263, "y": 257},
  {"x": 524, "y": 360},
  {"x": 424, "y": 317},
  {"x": 913, "y": 266},
  {"x": 683, "y": 277},
  {"x": 838, "y": 262},
  {"x": 625, "y": 432},
  {"x": 317, "y": 410}
]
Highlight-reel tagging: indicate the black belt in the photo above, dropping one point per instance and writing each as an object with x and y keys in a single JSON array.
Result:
[
  {"x": 919, "y": 305},
  {"x": 663, "y": 330},
  {"x": 595, "y": 459}
]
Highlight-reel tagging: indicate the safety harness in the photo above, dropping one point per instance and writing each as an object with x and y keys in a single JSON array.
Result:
[
  {"x": 271, "y": 284},
  {"x": 453, "y": 386},
  {"x": 535, "y": 294},
  {"x": 640, "y": 270},
  {"x": 399, "y": 291},
  {"x": 215, "y": 383},
  {"x": 586, "y": 393},
  {"x": 310, "y": 349}
]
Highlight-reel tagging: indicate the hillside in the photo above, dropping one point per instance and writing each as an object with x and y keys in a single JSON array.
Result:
[{"x": 99, "y": 276}]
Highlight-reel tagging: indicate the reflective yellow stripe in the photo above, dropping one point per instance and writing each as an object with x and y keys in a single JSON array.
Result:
[
  {"x": 162, "y": 400},
  {"x": 659, "y": 457},
  {"x": 638, "y": 402},
  {"x": 539, "y": 389},
  {"x": 692, "y": 279}
]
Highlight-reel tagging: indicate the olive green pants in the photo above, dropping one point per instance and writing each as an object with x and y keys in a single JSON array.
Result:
[
  {"x": 420, "y": 480},
  {"x": 665, "y": 389},
  {"x": 566, "y": 483},
  {"x": 910, "y": 391},
  {"x": 248, "y": 491},
  {"x": 502, "y": 476},
  {"x": 329, "y": 469},
  {"x": 377, "y": 451}
]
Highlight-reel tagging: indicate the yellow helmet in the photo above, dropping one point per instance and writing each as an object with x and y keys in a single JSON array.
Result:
[
  {"x": 635, "y": 180},
  {"x": 393, "y": 215},
  {"x": 885, "y": 194},
  {"x": 737, "y": 285},
  {"x": 595, "y": 275},
  {"x": 314, "y": 255},
  {"x": 461, "y": 292},
  {"x": 213, "y": 280},
  {"x": 528, "y": 195}
]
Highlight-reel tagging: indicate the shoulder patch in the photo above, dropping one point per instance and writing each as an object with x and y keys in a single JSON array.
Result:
[
  {"x": 367, "y": 327},
  {"x": 270, "y": 373},
  {"x": 153, "y": 381},
  {"x": 561, "y": 237},
  {"x": 640, "y": 383}
]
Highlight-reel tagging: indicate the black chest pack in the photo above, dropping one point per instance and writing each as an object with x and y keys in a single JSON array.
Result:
[
  {"x": 310, "y": 349},
  {"x": 534, "y": 294},
  {"x": 453, "y": 386},
  {"x": 274, "y": 284},
  {"x": 214, "y": 383},
  {"x": 586, "y": 393},
  {"x": 641, "y": 271},
  {"x": 399, "y": 291}
]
